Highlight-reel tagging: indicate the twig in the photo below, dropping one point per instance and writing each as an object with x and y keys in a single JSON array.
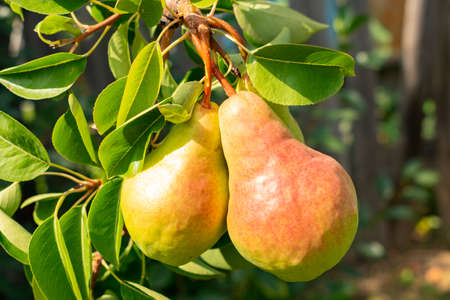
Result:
[
  {"x": 171, "y": 46},
  {"x": 213, "y": 9},
  {"x": 91, "y": 29},
  {"x": 96, "y": 267},
  {"x": 79, "y": 24}
]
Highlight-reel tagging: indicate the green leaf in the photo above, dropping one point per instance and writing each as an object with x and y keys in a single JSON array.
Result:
[
  {"x": 139, "y": 41},
  {"x": 253, "y": 17},
  {"x": 14, "y": 238},
  {"x": 168, "y": 83},
  {"x": 39, "y": 198},
  {"x": 74, "y": 229},
  {"x": 10, "y": 199},
  {"x": 83, "y": 127},
  {"x": 290, "y": 74},
  {"x": 60, "y": 273},
  {"x": 46, "y": 263},
  {"x": 22, "y": 156},
  {"x": 45, "y": 77},
  {"x": 108, "y": 295},
  {"x": 226, "y": 258},
  {"x": 184, "y": 98},
  {"x": 107, "y": 105},
  {"x": 150, "y": 12},
  {"x": 54, "y": 24},
  {"x": 197, "y": 269},
  {"x": 119, "y": 52},
  {"x": 143, "y": 83},
  {"x": 105, "y": 221},
  {"x": 44, "y": 210},
  {"x": 133, "y": 291},
  {"x": 124, "y": 148},
  {"x": 37, "y": 293},
  {"x": 203, "y": 3},
  {"x": 71, "y": 137},
  {"x": 130, "y": 6},
  {"x": 15, "y": 8},
  {"x": 51, "y": 7}
]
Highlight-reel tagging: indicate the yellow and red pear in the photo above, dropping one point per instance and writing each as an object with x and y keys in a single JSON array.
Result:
[
  {"x": 175, "y": 209},
  {"x": 292, "y": 210}
]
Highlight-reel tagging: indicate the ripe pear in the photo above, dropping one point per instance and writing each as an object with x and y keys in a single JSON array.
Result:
[
  {"x": 292, "y": 210},
  {"x": 175, "y": 209}
]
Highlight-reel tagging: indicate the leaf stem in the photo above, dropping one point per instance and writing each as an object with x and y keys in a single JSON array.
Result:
[
  {"x": 76, "y": 180},
  {"x": 176, "y": 42},
  {"x": 213, "y": 9},
  {"x": 107, "y": 267},
  {"x": 91, "y": 29},
  {"x": 166, "y": 28},
  {"x": 64, "y": 196},
  {"x": 79, "y": 175},
  {"x": 103, "y": 5},
  {"x": 79, "y": 24},
  {"x": 98, "y": 41}
]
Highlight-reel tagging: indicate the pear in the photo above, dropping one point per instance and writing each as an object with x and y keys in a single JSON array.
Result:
[
  {"x": 175, "y": 209},
  {"x": 292, "y": 210}
]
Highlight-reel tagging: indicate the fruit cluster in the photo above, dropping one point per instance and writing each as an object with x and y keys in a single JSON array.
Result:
[{"x": 288, "y": 209}]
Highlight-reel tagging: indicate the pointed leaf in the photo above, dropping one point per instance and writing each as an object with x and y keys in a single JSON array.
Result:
[
  {"x": 107, "y": 105},
  {"x": 143, "y": 83},
  {"x": 203, "y": 3},
  {"x": 183, "y": 100},
  {"x": 14, "y": 238},
  {"x": 22, "y": 156},
  {"x": 197, "y": 269},
  {"x": 168, "y": 83},
  {"x": 119, "y": 52},
  {"x": 40, "y": 197},
  {"x": 43, "y": 210},
  {"x": 253, "y": 16},
  {"x": 71, "y": 137},
  {"x": 45, "y": 77},
  {"x": 133, "y": 291},
  {"x": 139, "y": 41},
  {"x": 150, "y": 12},
  {"x": 10, "y": 199},
  {"x": 124, "y": 148},
  {"x": 290, "y": 74},
  {"x": 46, "y": 263},
  {"x": 105, "y": 221},
  {"x": 74, "y": 229},
  {"x": 51, "y": 7},
  {"x": 82, "y": 125},
  {"x": 54, "y": 24}
]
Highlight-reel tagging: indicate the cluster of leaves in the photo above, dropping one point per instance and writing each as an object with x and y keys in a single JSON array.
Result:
[{"x": 128, "y": 114}]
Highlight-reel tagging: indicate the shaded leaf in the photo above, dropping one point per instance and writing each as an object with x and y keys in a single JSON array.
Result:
[
  {"x": 22, "y": 156},
  {"x": 14, "y": 238},
  {"x": 71, "y": 136},
  {"x": 119, "y": 52},
  {"x": 143, "y": 83},
  {"x": 44, "y": 210},
  {"x": 139, "y": 41},
  {"x": 168, "y": 83},
  {"x": 226, "y": 258},
  {"x": 150, "y": 12},
  {"x": 45, "y": 77},
  {"x": 133, "y": 291},
  {"x": 105, "y": 221},
  {"x": 10, "y": 198},
  {"x": 197, "y": 269},
  {"x": 107, "y": 105},
  {"x": 183, "y": 100}
]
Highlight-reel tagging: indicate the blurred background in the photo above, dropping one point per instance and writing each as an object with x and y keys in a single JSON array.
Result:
[{"x": 389, "y": 126}]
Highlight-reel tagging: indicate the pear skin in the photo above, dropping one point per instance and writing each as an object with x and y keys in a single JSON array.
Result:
[
  {"x": 292, "y": 210},
  {"x": 175, "y": 209}
]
